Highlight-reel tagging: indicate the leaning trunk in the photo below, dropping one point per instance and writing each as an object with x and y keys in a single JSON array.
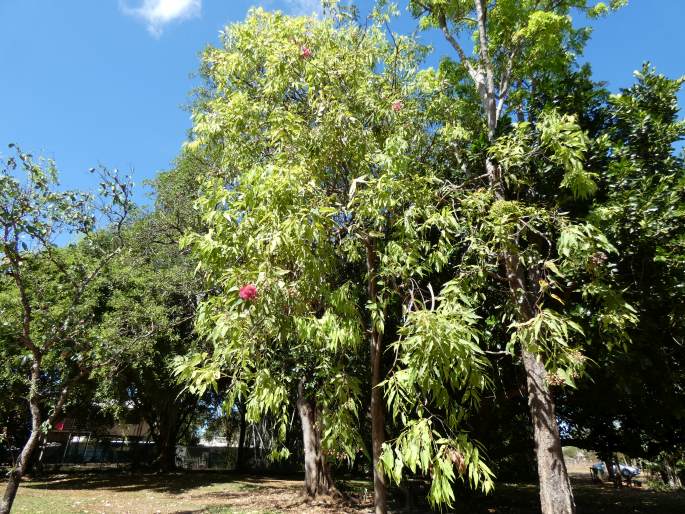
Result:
[
  {"x": 17, "y": 472},
  {"x": 15, "y": 475},
  {"x": 317, "y": 476}
]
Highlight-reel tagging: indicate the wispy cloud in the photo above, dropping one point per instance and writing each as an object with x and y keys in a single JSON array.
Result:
[{"x": 158, "y": 13}]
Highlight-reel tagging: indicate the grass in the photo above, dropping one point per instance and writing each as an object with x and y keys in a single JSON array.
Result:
[
  {"x": 143, "y": 493},
  {"x": 215, "y": 493}
]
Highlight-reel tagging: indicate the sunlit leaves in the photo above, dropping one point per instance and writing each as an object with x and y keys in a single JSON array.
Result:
[{"x": 421, "y": 448}]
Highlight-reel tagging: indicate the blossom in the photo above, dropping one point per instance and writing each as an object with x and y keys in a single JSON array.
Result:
[
  {"x": 305, "y": 52},
  {"x": 248, "y": 292},
  {"x": 397, "y": 105}
]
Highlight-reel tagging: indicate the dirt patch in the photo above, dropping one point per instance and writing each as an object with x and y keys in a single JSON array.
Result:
[{"x": 284, "y": 496}]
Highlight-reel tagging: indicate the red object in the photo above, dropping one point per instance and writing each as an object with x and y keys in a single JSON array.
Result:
[
  {"x": 397, "y": 105},
  {"x": 305, "y": 52},
  {"x": 248, "y": 292},
  {"x": 59, "y": 426}
]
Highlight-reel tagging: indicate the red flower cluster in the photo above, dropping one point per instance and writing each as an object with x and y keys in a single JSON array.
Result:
[
  {"x": 397, "y": 105},
  {"x": 305, "y": 52},
  {"x": 248, "y": 292}
]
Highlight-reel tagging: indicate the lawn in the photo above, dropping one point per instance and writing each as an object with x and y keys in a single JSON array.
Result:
[{"x": 234, "y": 494}]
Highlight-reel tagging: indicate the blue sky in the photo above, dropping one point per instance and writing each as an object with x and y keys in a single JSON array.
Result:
[{"x": 90, "y": 82}]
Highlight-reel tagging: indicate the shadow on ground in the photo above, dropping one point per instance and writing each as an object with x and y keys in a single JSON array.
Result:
[
  {"x": 219, "y": 493},
  {"x": 169, "y": 483},
  {"x": 591, "y": 498}
]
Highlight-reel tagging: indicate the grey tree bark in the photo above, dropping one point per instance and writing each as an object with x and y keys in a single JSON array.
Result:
[
  {"x": 317, "y": 475},
  {"x": 556, "y": 495},
  {"x": 17, "y": 472}
]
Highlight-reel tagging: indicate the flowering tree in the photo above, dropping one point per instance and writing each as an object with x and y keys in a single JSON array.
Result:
[
  {"x": 284, "y": 321},
  {"x": 324, "y": 228}
]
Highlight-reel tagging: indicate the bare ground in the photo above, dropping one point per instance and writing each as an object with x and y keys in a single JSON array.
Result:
[{"x": 214, "y": 493}]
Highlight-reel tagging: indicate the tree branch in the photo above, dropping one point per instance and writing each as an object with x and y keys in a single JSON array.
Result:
[
  {"x": 505, "y": 83},
  {"x": 475, "y": 74}
]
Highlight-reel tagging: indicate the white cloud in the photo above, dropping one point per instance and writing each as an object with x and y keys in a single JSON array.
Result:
[{"x": 158, "y": 13}]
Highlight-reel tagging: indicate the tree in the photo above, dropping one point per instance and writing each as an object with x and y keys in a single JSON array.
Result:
[
  {"x": 47, "y": 299},
  {"x": 148, "y": 316},
  {"x": 634, "y": 404},
  {"x": 320, "y": 217},
  {"x": 276, "y": 304},
  {"x": 516, "y": 45},
  {"x": 150, "y": 310}
]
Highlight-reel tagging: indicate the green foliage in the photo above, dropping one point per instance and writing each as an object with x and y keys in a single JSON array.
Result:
[
  {"x": 526, "y": 39},
  {"x": 327, "y": 157},
  {"x": 635, "y": 395},
  {"x": 51, "y": 295},
  {"x": 421, "y": 448}
]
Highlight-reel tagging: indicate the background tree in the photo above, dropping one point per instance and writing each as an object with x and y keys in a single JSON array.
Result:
[
  {"x": 150, "y": 313},
  {"x": 48, "y": 302},
  {"x": 634, "y": 403}
]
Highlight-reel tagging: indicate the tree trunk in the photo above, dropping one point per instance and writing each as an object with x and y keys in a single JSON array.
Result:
[
  {"x": 17, "y": 472},
  {"x": 556, "y": 495},
  {"x": 616, "y": 472},
  {"x": 669, "y": 473},
  {"x": 166, "y": 459},
  {"x": 377, "y": 407},
  {"x": 317, "y": 476},
  {"x": 377, "y": 427},
  {"x": 167, "y": 433}
]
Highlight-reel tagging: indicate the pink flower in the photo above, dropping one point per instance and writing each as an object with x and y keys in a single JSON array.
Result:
[
  {"x": 248, "y": 292},
  {"x": 305, "y": 52},
  {"x": 59, "y": 425},
  {"x": 397, "y": 105}
]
